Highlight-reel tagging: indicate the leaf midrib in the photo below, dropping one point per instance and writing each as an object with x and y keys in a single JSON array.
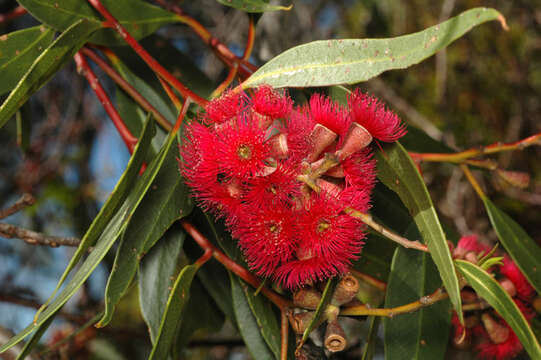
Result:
[{"x": 27, "y": 49}]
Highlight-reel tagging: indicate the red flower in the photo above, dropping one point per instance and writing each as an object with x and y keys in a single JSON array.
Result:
[
  {"x": 329, "y": 114},
  {"x": 268, "y": 102},
  {"x": 369, "y": 112},
  {"x": 503, "y": 351},
  {"x": 510, "y": 270},
  {"x": 267, "y": 237},
  {"x": 226, "y": 107},
  {"x": 241, "y": 148}
]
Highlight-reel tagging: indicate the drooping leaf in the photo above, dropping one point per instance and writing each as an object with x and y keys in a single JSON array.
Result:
[
  {"x": 167, "y": 200},
  {"x": 519, "y": 245},
  {"x": 375, "y": 259},
  {"x": 370, "y": 346},
  {"x": 491, "y": 291},
  {"x": 249, "y": 329},
  {"x": 104, "y": 243},
  {"x": 138, "y": 17},
  {"x": 421, "y": 334},
  {"x": 34, "y": 339},
  {"x": 253, "y": 6},
  {"x": 18, "y": 50},
  {"x": 398, "y": 172},
  {"x": 171, "y": 318},
  {"x": 156, "y": 271},
  {"x": 349, "y": 61},
  {"x": 265, "y": 318},
  {"x": 57, "y": 54},
  {"x": 24, "y": 127},
  {"x": 326, "y": 297}
]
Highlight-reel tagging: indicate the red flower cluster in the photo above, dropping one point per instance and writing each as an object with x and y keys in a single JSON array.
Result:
[
  {"x": 493, "y": 337},
  {"x": 246, "y": 160}
]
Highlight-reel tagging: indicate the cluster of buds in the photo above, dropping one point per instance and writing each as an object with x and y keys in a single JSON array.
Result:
[
  {"x": 484, "y": 329},
  {"x": 309, "y": 298},
  {"x": 281, "y": 177}
]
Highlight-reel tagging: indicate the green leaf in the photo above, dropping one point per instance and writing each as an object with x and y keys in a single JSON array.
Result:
[
  {"x": 370, "y": 346},
  {"x": 326, "y": 297},
  {"x": 156, "y": 271},
  {"x": 23, "y": 120},
  {"x": 114, "y": 201},
  {"x": 398, "y": 172},
  {"x": 253, "y": 6},
  {"x": 422, "y": 334},
  {"x": 104, "y": 243},
  {"x": 520, "y": 246},
  {"x": 46, "y": 65},
  {"x": 265, "y": 318},
  {"x": 489, "y": 289},
  {"x": 18, "y": 50},
  {"x": 36, "y": 336},
  {"x": 137, "y": 17},
  {"x": 349, "y": 61},
  {"x": 375, "y": 259},
  {"x": 249, "y": 329},
  {"x": 167, "y": 200},
  {"x": 171, "y": 319}
]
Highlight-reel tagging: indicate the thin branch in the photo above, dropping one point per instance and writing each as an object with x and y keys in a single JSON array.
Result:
[
  {"x": 35, "y": 238},
  {"x": 24, "y": 201},
  {"x": 126, "y": 86},
  {"x": 473, "y": 181},
  {"x": 113, "y": 23},
  {"x": 84, "y": 69},
  {"x": 250, "y": 41},
  {"x": 228, "y": 80},
  {"x": 369, "y": 279},
  {"x": 205, "y": 244},
  {"x": 172, "y": 96},
  {"x": 13, "y": 14},
  {"x": 362, "y": 310},
  {"x": 284, "y": 333}
]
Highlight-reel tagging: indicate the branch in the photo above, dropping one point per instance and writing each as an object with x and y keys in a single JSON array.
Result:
[
  {"x": 24, "y": 201},
  {"x": 362, "y": 310},
  {"x": 284, "y": 333},
  {"x": 207, "y": 246},
  {"x": 86, "y": 71},
  {"x": 35, "y": 238},
  {"x": 13, "y": 14},
  {"x": 113, "y": 23}
]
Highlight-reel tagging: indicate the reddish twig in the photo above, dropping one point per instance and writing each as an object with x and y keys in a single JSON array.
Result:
[
  {"x": 250, "y": 41},
  {"x": 113, "y": 23},
  {"x": 232, "y": 266},
  {"x": 228, "y": 80},
  {"x": 35, "y": 238},
  {"x": 13, "y": 14},
  {"x": 174, "y": 99},
  {"x": 24, "y": 201},
  {"x": 284, "y": 333},
  {"x": 127, "y": 87},
  {"x": 86, "y": 71}
]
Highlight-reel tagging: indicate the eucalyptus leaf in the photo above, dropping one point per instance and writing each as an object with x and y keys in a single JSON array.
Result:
[
  {"x": 18, "y": 51},
  {"x": 326, "y": 297},
  {"x": 489, "y": 289},
  {"x": 398, "y": 172},
  {"x": 139, "y": 18},
  {"x": 52, "y": 59},
  {"x": 253, "y": 6},
  {"x": 349, "y": 61}
]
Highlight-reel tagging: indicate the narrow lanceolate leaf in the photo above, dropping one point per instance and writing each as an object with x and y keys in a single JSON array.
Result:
[
  {"x": 491, "y": 291},
  {"x": 167, "y": 200},
  {"x": 18, "y": 50},
  {"x": 522, "y": 248},
  {"x": 114, "y": 201},
  {"x": 326, "y": 297},
  {"x": 249, "y": 329},
  {"x": 421, "y": 334},
  {"x": 138, "y": 17},
  {"x": 104, "y": 243},
  {"x": 172, "y": 317},
  {"x": 370, "y": 346},
  {"x": 46, "y": 65},
  {"x": 265, "y": 318},
  {"x": 156, "y": 271},
  {"x": 253, "y": 6},
  {"x": 34, "y": 339},
  {"x": 398, "y": 172},
  {"x": 349, "y": 61}
]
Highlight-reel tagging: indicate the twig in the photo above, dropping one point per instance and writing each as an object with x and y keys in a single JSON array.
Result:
[
  {"x": 250, "y": 41},
  {"x": 369, "y": 279},
  {"x": 362, "y": 310},
  {"x": 13, "y": 14},
  {"x": 172, "y": 96},
  {"x": 113, "y": 23},
  {"x": 86, "y": 71},
  {"x": 126, "y": 86},
  {"x": 473, "y": 181},
  {"x": 228, "y": 80},
  {"x": 35, "y": 238},
  {"x": 205, "y": 244},
  {"x": 24, "y": 201},
  {"x": 460, "y": 157},
  {"x": 284, "y": 333}
]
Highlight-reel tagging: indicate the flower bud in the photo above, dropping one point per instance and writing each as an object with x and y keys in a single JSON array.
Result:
[
  {"x": 508, "y": 286},
  {"x": 321, "y": 138},
  {"x": 279, "y": 147},
  {"x": 307, "y": 298},
  {"x": 514, "y": 178},
  {"x": 356, "y": 139},
  {"x": 335, "y": 338},
  {"x": 299, "y": 322},
  {"x": 345, "y": 290},
  {"x": 497, "y": 332}
]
